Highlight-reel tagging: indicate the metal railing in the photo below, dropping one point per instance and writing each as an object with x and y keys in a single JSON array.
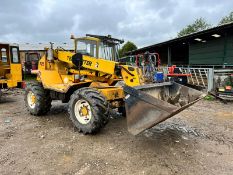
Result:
[{"x": 202, "y": 77}]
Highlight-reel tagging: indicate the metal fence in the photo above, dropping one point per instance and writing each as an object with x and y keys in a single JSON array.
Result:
[
  {"x": 207, "y": 78},
  {"x": 202, "y": 77}
]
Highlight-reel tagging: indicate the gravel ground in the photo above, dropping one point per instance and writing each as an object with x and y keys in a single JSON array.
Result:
[{"x": 199, "y": 140}]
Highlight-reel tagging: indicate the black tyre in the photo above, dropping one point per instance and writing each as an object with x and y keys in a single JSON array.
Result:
[
  {"x": 37, "y": 99},
  {"x": 88, "y": 110}
]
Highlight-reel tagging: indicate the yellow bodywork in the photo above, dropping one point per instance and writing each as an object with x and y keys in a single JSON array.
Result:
[
  {"x": 60, "y": 74},
  {"x": 10, "y": 66}
]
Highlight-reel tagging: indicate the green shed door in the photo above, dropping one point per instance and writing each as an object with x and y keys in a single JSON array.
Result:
[{"x": 211, "y": 52}]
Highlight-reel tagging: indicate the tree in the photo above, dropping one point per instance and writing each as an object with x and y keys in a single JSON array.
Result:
[
  {"x": 226, "y": 19},
  {"x": 198, "y": 25},
  {"x": 128, "y": 46}
]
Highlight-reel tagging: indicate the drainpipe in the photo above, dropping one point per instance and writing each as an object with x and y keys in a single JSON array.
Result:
[
  {"x": 225, "y": 50},
  {"x": 169, "y": 56}
]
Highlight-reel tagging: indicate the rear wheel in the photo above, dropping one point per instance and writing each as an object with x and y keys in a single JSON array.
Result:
[
  {"x": 88, "y": 110},
  {"x": 37, "y": 99}
]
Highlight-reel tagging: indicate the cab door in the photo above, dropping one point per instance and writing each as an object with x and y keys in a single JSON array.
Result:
[{"x": 15, "y": 66}]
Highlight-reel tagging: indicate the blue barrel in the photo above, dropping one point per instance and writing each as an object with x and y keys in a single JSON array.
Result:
[{"x": 158, "y": 77}]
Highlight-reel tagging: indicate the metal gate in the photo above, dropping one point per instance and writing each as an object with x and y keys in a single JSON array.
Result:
[{"x": 202, "y": 77}]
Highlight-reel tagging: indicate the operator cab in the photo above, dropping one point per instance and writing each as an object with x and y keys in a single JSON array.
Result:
[
  {"x": 103, "y": 47},
  {"x": 9, "y": 55}
]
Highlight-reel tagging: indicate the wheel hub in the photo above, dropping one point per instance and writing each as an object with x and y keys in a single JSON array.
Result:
[
  {"x": 82, "y": 111},
  {"x": 31, "y": 98}
]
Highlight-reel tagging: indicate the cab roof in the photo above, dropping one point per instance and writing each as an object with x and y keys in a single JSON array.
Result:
[{"x": 9, "y": 44}]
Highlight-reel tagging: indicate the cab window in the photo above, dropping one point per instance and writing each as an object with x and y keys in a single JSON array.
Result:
[
  {"x": 86, "y": 47},
  {"x": 4, "y": 55},
  {"x": 106, "y": 52},
  {"x": 32, "y": 57},
  {"x": 15, "y": 55}
]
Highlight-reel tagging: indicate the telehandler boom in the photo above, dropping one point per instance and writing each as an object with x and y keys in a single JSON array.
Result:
[{"x": 95, "y": 84}]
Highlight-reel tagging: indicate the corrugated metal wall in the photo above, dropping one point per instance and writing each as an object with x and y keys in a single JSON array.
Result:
[
  {"x": 211, "y": 52},
  {"x": 217, "y": 51}
]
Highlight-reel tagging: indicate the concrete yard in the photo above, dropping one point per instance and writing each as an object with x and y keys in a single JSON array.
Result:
[{"x": 199, "y": 140}]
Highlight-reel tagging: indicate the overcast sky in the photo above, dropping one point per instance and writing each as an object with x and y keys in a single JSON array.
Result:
[{"x": 141, "y": 21}]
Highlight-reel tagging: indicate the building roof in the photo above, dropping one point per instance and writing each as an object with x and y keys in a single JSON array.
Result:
[
  {"x": 41, "y": 46},
  {"x": 190, "y": 36}
]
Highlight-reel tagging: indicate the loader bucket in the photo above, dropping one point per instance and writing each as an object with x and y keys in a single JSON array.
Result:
[{"x": 151, "y": 104}]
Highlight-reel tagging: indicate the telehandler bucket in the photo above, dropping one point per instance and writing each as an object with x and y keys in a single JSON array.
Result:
[{"x": 151, "y": 104}]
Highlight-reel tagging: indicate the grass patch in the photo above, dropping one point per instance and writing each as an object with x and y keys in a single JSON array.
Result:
[
  {"x": 29, "y": 77},
  {"x": 209, "y": 98}
]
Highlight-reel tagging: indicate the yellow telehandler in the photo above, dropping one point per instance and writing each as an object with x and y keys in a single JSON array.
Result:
[
  {"x": 95, "y": 85},
  {"x": 10, "y": 66}
]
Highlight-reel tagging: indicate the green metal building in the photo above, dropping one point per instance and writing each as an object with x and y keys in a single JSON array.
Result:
[{"x": 211, "y": 47}]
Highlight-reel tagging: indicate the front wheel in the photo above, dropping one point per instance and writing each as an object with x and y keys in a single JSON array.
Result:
[
  {"x": 88, "y": 110},
  {"x": 37, "y": 99}
]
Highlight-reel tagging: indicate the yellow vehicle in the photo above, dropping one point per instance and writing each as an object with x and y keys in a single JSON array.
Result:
[
  {"x": 10, "y": 66},
  {"x": 96, "y": 85}
]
